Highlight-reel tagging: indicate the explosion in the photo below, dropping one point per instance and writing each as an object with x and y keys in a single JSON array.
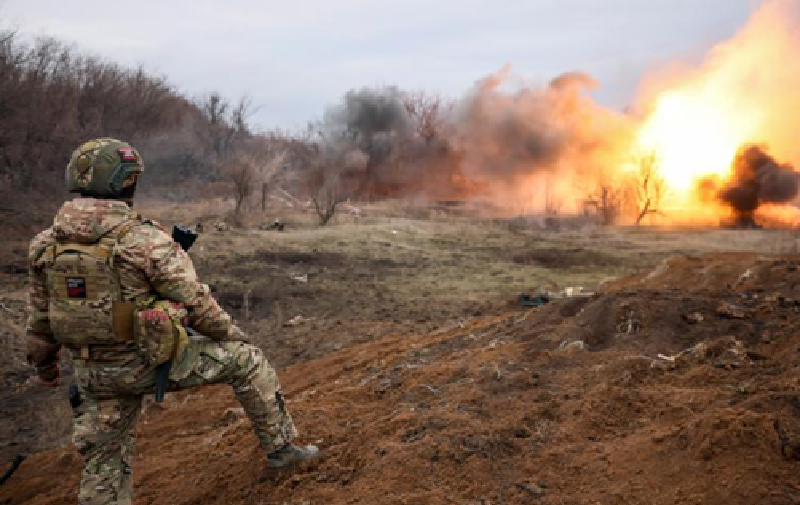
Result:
[
  {"x": 701, "y": 145},
  {"x": 704, "y": 125}
]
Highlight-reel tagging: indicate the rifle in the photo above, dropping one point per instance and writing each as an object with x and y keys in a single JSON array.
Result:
[{"x": 185, "y": 238}]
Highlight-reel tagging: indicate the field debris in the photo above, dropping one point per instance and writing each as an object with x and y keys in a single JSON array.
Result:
[
  {"x": 297, "y": 321},
  {"x": 569, "y": 346},
  {"x": 731, "y": 311},
  {"x": 543, "y": 297},
  {"x": 694, "y": 318}
]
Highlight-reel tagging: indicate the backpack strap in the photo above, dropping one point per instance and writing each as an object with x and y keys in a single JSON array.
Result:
[
  {"x": 94, "y": 250},
  {"x": 121, "y": 310}
]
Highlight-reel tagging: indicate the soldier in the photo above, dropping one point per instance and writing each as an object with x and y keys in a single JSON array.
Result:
[{"x": 100, "y": 277}]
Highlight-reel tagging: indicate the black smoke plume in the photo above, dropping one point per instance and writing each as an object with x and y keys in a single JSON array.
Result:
[
  {"x": 366, "y": 133},
  {"x": 757, "y": 179}
]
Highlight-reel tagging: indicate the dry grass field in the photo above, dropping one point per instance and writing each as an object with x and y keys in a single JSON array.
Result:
[{"x": 403, "y": 269}]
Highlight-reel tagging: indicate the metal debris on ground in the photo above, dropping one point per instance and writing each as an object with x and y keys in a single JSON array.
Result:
[
  {"x": 277, "y": 225},
  {"x": 545, "y": 297},
  {"x": 527, "y": 300}
]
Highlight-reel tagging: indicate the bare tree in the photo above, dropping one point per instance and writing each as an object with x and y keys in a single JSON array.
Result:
[
  {"x": 649, "y": 185},
  {"x": 241, "y": 114},
  {"x": 215, "y": 127},
  {"x": 428, "y": 114},
  {"x": 225, "y": 126},
  {"x": 330, "y": 192},
  {"x": 606, "y": 190},
  {"x": 243, "y": 174},
  {"x": 610, "y": 199},
  {"x": 607, "y": 197}
]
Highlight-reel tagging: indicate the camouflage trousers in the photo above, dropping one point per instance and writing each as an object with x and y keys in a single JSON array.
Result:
[{"x": 105, "y": 424}]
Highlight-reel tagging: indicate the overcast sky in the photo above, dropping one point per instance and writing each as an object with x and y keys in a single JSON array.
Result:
[{"x": 295, "y": 57}]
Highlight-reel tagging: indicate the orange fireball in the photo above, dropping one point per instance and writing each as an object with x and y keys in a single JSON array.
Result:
[{"x": 745, "y": 93}]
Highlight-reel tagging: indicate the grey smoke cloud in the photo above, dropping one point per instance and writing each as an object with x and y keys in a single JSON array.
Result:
[
  {"x": 367, "y": 126},
  {"x": 507, "y": 132},
  {"x": 498, "y": 132},
  {"x": 370, "y": 111}
]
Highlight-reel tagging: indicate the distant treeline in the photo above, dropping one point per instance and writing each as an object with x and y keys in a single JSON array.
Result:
[{"x": 52, "y": 98}]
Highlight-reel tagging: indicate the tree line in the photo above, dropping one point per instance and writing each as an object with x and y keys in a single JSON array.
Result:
[{"x": 53, "y": 98}]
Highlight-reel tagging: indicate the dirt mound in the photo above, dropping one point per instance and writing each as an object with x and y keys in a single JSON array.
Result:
[
  {"x": 741, "y": 272},
  {"x": 656, "y": 395}
]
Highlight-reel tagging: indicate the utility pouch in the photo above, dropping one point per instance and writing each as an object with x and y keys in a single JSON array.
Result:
[{"x": 159, "y": 331}]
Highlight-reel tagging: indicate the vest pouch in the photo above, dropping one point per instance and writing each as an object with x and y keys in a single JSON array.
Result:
[
  {"x": 83, "y": 293},
  {"x": 159, "y": 331}
]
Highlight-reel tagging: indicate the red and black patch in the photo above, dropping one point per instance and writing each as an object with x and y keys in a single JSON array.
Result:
[
  {"x": 128, "y": 155},
  {"x": 76, "y": 287}
]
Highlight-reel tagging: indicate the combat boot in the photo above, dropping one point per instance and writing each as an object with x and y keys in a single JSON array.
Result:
[{"x": 290, "y": 455}]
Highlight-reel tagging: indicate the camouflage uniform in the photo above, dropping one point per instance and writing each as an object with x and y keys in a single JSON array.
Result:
[{"x": 113, "y": 378}]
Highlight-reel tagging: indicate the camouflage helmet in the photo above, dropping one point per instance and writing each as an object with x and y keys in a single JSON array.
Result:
[{"x": 100, "y": 167}]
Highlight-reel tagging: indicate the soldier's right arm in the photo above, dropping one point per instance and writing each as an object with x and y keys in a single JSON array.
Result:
[
  {"x": 42, "y": 347},
  {"x": 170, "y": 271}
]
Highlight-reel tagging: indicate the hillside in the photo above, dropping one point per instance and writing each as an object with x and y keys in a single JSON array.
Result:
[{"x": 566, "y": 404}]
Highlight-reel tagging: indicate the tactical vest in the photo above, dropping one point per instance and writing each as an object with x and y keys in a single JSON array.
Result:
[{"x": 86, "y": 306}]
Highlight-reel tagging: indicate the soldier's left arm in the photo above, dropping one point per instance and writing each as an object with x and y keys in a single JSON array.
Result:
[{"x": 42, "y": 348}]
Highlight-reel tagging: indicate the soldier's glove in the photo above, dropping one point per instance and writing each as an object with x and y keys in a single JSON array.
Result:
[{"x": 48, "y": 377}]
